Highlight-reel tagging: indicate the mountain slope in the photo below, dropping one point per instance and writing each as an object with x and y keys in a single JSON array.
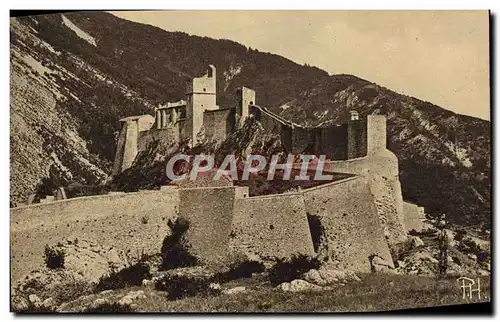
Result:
[{"x": 87, "y": 70}]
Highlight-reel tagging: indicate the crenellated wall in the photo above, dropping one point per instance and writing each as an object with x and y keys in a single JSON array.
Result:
[{"x": 168, "y": 136}]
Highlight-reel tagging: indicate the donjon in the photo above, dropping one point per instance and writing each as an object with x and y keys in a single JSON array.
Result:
[
  {"x": 193, "y": 120},
  {"x": 200, "y": 96}
]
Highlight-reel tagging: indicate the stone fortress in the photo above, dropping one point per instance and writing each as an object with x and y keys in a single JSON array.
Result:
[
  {"x": 198, "y": 117},
  {"x": 347, "y": 221}
]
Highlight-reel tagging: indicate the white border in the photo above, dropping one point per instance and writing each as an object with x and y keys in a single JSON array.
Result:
[{"x": 187, "y": 4}]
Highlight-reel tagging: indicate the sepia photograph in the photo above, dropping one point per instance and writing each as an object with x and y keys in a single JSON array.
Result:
[{"x": 250, "y": 161}]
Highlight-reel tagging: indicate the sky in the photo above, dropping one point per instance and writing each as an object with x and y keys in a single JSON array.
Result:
[{"x": 437, "y": 56}]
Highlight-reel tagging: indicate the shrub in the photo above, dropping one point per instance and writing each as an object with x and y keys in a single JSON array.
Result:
[
  {"x": 128, "y": 276},
  {"x": 174, "y": 250},
  {"x": 468, "y": 246},
  {"x": 287, "y": 270},
  {"x": 241, "y": 270},
  {"x": 32, "y": 309},
  {"x": 180, "y": 286},
  {"x": 413, "y": 232},
  {"x": 429, "y": 232},
  {"x": 54, "y": 258},
  {"x": 71, "y": 290}
]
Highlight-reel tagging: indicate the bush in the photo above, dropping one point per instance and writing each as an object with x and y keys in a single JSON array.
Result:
[
  {"x": 241, "y": 270},
  {"x": 179, "y": 287},
  {"x": 413, "y": 232},
  {"x": 54, "y": 258},
  {"x": 128, "y": 276},
  {"x": 32, "y": 309},
  {"x": 71, "y": 290},
  {"x": 174, "y": 250},
  {"x": 287, "y": 270},
  {"x": 468, "y": 246}
]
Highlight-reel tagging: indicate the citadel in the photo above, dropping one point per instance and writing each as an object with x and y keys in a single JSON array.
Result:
[{"x": 359, "y": 216}]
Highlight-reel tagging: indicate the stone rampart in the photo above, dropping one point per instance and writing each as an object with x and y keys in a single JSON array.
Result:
[
  {"x": 271, "y": 226},
  {"x": 209, "y": 211},
  {"x": 132, "y": 222},
  {"x": 346, "y": 220}
]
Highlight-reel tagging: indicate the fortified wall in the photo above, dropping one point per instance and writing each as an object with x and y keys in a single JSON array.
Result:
[
  {"x": 222, "y": 220},
  {"x": 132, "y": 222}
]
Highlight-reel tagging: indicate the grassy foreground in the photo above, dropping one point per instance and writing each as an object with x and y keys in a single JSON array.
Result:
[{"x": 376, "y": 292}]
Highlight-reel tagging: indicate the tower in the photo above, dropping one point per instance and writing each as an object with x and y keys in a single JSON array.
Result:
[
  {"x": 201, "y": 95},
  {"x": 127, "y": 145},
  {"x": 376, "y": 133},
  {"x": 246, "y": 97}
]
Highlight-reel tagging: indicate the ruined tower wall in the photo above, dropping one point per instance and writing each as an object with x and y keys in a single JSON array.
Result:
[
  {"x": 376, "y": 133},
  {"x": 120, "y": 149},
  {"x": 127, "y": 146},
  {"x": 168, "y": 136},
  {"x": 350, "y": 224},
  {"x": 218, "y": 124},
  {"x": 413, "y": 218},
  {"x": 200, "y": 96},
  {"x": 271, "y": 226},
  {"x": 133, "y": 223},
  {"x": 246, "y": 98},
  {"x": 128, "y": 140}
]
